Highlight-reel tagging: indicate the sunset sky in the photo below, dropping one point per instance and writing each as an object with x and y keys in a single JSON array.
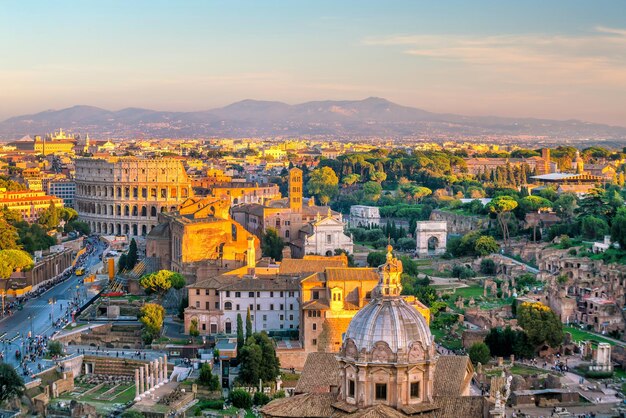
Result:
[{"x": 549, "y": 59}]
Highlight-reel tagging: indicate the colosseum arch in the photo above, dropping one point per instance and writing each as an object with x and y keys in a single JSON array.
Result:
[
  {"x": 144, "y": 211},
  {"x": 126, "y": 210},
  {"x": 135, "y": 213},
  {"x": 126, "y": 229},
  {"x": 153, "y": 211},
  {"x": 144, "y": 230},
  {"x": 135, "y": 229}
]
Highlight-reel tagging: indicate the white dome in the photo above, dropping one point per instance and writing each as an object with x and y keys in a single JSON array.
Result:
[{"x": 390, "y": 320}]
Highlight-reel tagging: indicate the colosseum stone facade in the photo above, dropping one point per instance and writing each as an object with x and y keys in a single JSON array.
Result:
[{"x": 124, "y": 195}]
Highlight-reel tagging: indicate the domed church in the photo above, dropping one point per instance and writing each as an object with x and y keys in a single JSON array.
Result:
[{"x": 388, "y": 366}]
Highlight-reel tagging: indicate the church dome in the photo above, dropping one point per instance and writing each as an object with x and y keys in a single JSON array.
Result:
[{"x": 388, "y": 322}]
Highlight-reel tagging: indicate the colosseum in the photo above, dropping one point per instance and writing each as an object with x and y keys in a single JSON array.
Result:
[{"x": 124, "y": 195}]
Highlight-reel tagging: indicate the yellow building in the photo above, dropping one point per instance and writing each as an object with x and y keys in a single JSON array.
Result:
[{"x": 28, "y": 203}]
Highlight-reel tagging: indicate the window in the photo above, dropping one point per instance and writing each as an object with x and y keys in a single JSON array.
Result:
[
  {"x": 282, "y": 307},
  {"x": 258, "y": 307},
  {"x": 258, "y": 294},
  {"x": 291, "y": 317},
  {"x": 271, "y": 306},
  {"x": 250, "y": 294},
  {"x": 314, "y": 327},
  {"x": 381, "y": 391},
  {"x": 208, "y": 306},
  {"x": 217, "y": 293},
  {"x": 316, "y": 294},
  {"x": 282, "y": 318},
  {"x": 329, "y": 239},
  {"x": 217, "y": 305},
  {"x": 251, "y": 307},
  {"x": 237, "y": 294},
  {"x": 228, "y": 293},
  {"x": 351, "y": 388},
  {"x": 197, "y": 304},
  {"x": 237, "y": 306},
  {"x": 265, "y": 317},
  {"x": 291, "y": 294},
  {"x": 281, "y": 294},
  {"x": 203, "y": 327},
  {"x": 228, "y": 306},
  {"x": 314, "y": 341},
  {"x": 291, "y": 306},
  {"x": 206, "y": 292},
  {"x": 271, "y": 294},
  {"x": 415, "y": 389},
  {"x": 197, "y": 292}
]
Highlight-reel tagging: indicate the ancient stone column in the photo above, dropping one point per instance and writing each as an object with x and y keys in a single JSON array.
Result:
[
  {"x": 142, "y": 381},
  {"x": 160, "y": 367},
  {"x": 147, "y": 367},
  {"x": 137, "y": 393},
  {"x": 165, "y": 376}
]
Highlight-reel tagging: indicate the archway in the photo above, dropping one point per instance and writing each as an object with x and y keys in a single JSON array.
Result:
[{"x": 433, "y": 244}]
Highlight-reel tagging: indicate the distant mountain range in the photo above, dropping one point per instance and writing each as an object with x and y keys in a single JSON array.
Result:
[{"x": 369, "y": 117}]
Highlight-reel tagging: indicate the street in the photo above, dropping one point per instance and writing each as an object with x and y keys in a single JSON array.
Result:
[{"x": 35, "y": 317}]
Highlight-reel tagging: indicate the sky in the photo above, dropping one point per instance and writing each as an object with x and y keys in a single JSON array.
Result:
[{"x": 548, "y": 59}]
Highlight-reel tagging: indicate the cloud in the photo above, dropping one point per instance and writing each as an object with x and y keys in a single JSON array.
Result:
[{"x": 595, "y": 58}]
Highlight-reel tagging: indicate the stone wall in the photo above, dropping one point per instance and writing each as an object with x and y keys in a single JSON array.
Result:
[
  {"x": 472, "y": 336},
  {"x": 460, "y": 224},
  {"x": 291, "y": 358}
]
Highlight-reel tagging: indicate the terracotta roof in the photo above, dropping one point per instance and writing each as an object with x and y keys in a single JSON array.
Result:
[
  {"x": 332, "y": 332},
  {"x": 308, "y": 405},
  {"x": 321, "y": 371},
  {"x": 351, "y": 273},
  {"x": 296, "y": 265},
  {"x": 277, "y": 283},
  {"x": 251, "y": 208},
  {"x": 450, "y": 375},
  {"x": 461, "y": 406},
  {"x": 316, "y": 304}
]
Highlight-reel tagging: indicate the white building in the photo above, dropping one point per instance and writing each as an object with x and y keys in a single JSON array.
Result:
[
  {"x": 322, "y": 237},
  {"x": 274, "y": 303},
  {"x": 361, "y": 215}
]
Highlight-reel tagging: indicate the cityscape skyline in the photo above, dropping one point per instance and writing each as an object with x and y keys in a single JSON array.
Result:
[{"x": 562, "y": 60}]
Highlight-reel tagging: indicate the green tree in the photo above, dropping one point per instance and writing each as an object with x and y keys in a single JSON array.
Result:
[
  {"x": 207, "y": 378},
  {"x": 419, "y": 192},
  {"x": 502, "y": 206},
  {"x": 240, "y": 336},
  {"x": 618, "y": 229},
  {"x": 11, "y": 383},
  {"x": 161, "y": 281},
  {"x": 376, "y": 258},
  {"x": 479, "y": 353},
  {"x": 565, "y": 206},
  {"x": 351, "y": 179},
  {"x": 486, "y": 245},
  {"x": 272, "y": 244},
  {"x": 132, "y": 257},
  {"x": 240, "y": 399},
  {"x": 323, "y": 184},
  {"x": 8, "y": 236},
  {"x": 49, "y": 218},
  {"x": 372, "y": 190},
  {"x": 193, "y": 328},
  {"x": 151, "y": 316},
  {"x": 248, "y": 325},
  {"x": 12, "y": 261},
  {"x": 258, "y": 360},
  {"x": 593, "y": 227},
  {"x": 487, "y": 266},
  {"x": 55, "y": 348},
  {"x": 260, "y": 398},
  {"x": 121, "y": 263},
  {"x": 540, "y": 323}
]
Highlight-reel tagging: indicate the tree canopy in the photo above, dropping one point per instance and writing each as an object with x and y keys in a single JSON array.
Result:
[
  {"x": 11, "y": 383},
  {"x": 14, "y": 260},
  {"x": 540, "y": 323},
  {"x": 323, "y": 184},
  {"x": 151, "y": 316},
  {"x": 272, "y": 244},
  {"x": 161, "y": 281},
  {"x": 258, "y": 360}
]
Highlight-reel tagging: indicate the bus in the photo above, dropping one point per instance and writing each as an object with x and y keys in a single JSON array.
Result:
[{"x": 80, "y": 271}]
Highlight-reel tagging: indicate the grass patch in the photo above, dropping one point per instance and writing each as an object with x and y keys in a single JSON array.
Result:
[
  {"x": 290, "y": 377},
  {"x": 469, "y": 291},
  {"x": 582, "y": 335}
]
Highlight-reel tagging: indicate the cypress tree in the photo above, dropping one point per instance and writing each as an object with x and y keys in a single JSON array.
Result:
[
  {"x": 248, "y": 325},
  {"x": 131, "y": 259},
  {"x": 240, "y": 337}
]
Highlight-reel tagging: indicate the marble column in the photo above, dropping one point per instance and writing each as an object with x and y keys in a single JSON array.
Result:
[
  {"x": 137, "y": 385},
  {"x": 155, "y": 364},
  {"x": 160, "y": 369},
  {"x": 165, "y": 376},
  {"x": 148, "y": 386},
  {"x": 142, "y": 381}
]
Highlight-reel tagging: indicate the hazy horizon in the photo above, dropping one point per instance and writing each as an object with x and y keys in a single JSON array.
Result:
[{"x": 561, "y": 60}]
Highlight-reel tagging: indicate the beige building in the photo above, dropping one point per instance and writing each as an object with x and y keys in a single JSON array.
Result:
[{"x": 124, "y": 195}]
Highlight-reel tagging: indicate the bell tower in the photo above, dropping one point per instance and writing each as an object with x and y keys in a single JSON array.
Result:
[{"x": 295, "y": 189}]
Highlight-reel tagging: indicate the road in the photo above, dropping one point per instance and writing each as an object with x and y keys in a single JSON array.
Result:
[{"x": 35, "y": 315}]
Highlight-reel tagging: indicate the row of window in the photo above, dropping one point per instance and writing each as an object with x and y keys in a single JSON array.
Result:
[
  {"x": 381, "y": 390},
  {"x": 290, "y": 294},
  {"x": 228, "y": 306}
]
